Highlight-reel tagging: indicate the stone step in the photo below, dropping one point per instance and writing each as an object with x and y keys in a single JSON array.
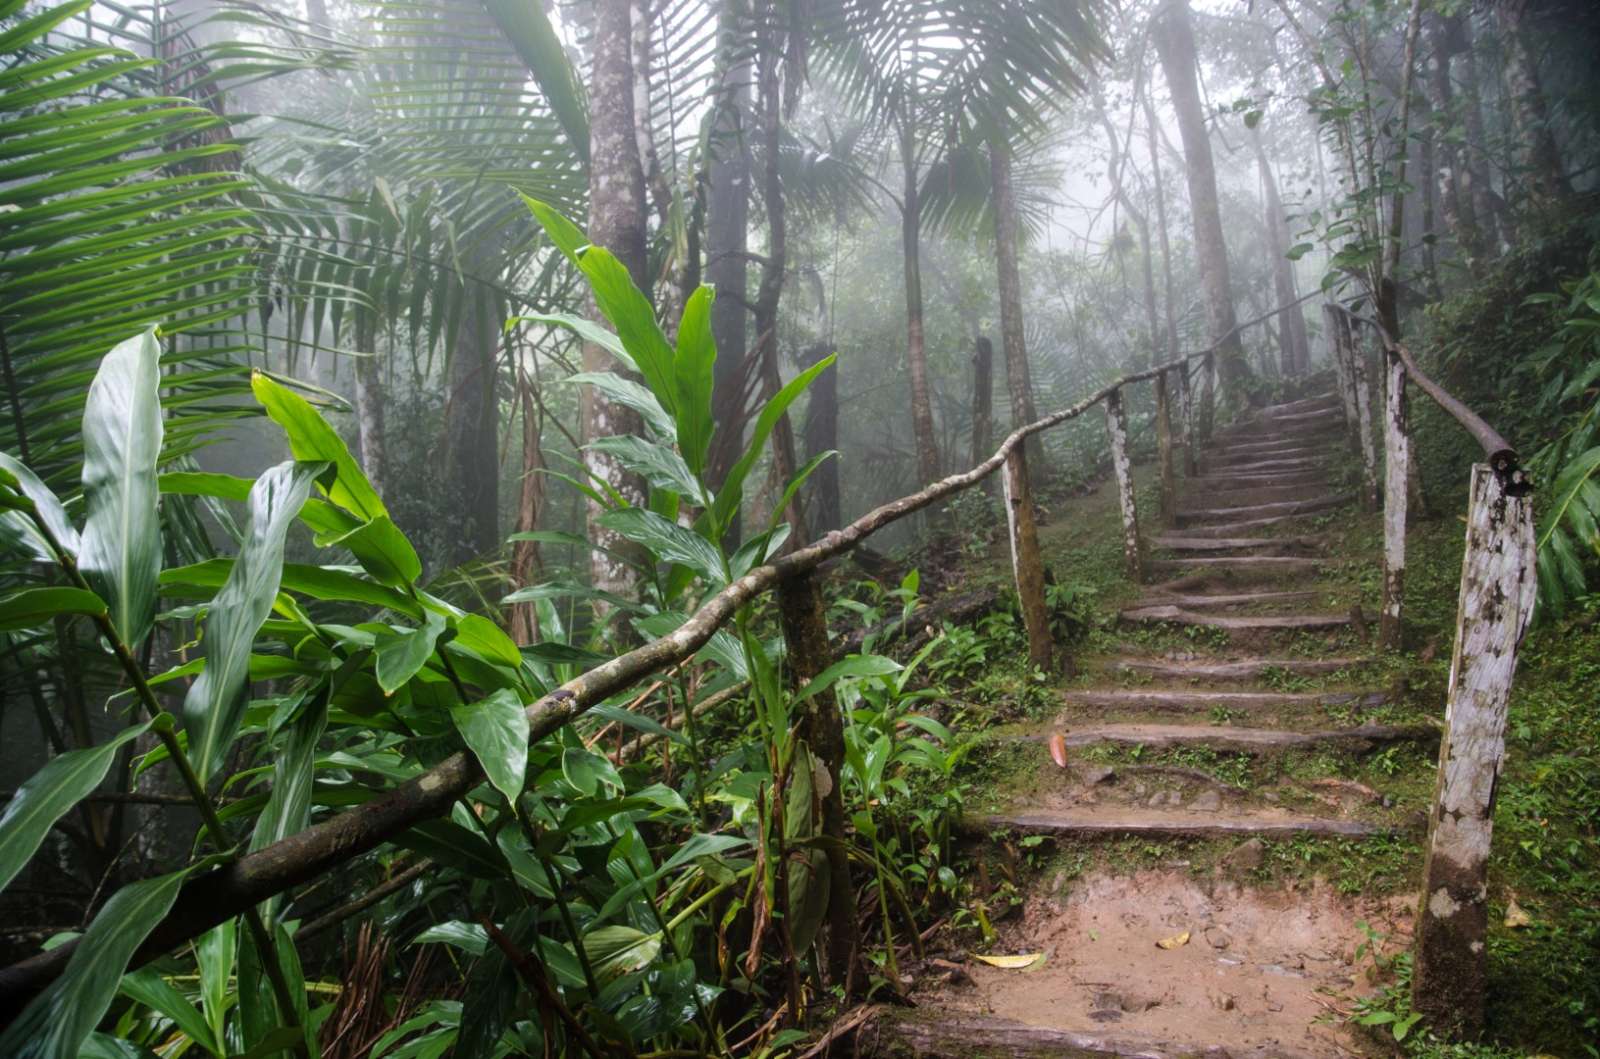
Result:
[
  {"x": 1222, "y": 544},
  {"x": 1233, "y": 669},
  {"x": 1282, "y": 507},
  {"x": 1087, "y": 821},
  {"x": 1177, "y": 615},
  {"x": 1182, "y": 700},
  {"x": 1222, "y": 599},
  {"x": 1227, "y": 454},
  {"x": 1249, "y": 740},
  {"x": 1294, "y": 465},
  {"x": 1270, "y": 442},
  {"x": 967, "y": 1036},
  {"x": 1262, "y": 565},
  {"x": 1316, "y": 402},
  {"x": 1228, "y": 529},
  {"x": 1208, "y": 485}
]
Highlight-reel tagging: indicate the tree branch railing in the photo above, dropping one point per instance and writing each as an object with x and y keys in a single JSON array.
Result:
[{"x": 1498, "y": 586}]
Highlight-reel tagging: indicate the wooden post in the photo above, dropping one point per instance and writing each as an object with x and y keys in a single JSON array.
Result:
[
  {"x": 1208, "y": 396},
  {"x": 1027, "y": 567},
  {"x": 1117, "y": 427},
  {"x": 1169, "y": 484},
  {"x": 1369, "y": 453},
  {"x": 803, "y": 617},
  {"x": 1396, "y": 496},
  {"x": 1497, "y": 591},
  {"x": 1338, "y": 345}
]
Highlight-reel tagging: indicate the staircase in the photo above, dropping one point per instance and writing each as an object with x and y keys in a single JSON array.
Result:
[{"x": 1239, "y": 652}]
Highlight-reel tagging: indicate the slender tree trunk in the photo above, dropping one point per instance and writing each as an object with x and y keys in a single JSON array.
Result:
[
  {"x": 1174, "y": 40},
  {"x": 1013, "y": 339},
  {"x": 369, "y": 418},
  {"x": 1295, "y": 353},
  {"x": 824, "y": 508},
  {"x": 525, "y": 561},
  {"x": 472, "y": 451},
  {"x": 1114, "y": 162},
  {"x": 616, "y": 222},
  {"x": 1543, "y": 178},
  {"x": 1493, "y": 225},
  {"x": 982, "y": 399},
  {"x": 1454, "y": 185},
  {"x": 727, "y": 232},
  {"x": 916, "y": 350}
]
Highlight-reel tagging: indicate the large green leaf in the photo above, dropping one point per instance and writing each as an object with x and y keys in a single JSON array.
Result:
[
  {"x": 58, "y": 1020},
  {"x": 311, "y": 438},
  {"x": 120, "y": 551},
  {"x": 527, "y": 28},
  {"x": 47, "y": 795},
  {"x": 668, "y": 541},
  {"x": 659, "y": 465},
  {"x": 37, "y": 606},
  {"x": 17, "y": 529},
  {"x": 630, "y": 394},
  {"x": 732, "y": 491},
  {"x": 216, "y": 702},
  {"x": 495, "y": 729},
  {"x": 401, "y": 655},
  {"x": 693, "y": 370},
  {"x": 156, "y": 993}
]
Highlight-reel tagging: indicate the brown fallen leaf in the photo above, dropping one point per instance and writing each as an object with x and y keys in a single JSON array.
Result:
[
  {"x": 1174, "y": 942},
  {"x": 1058, "y": 750},
  {"x": 1516, "y": 917},
  {"x": 1021, "y": 962}
]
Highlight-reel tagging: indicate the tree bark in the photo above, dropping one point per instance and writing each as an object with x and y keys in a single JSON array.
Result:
[
  {"x": 1174, "y": 40},
  {"x": 1027, "y": 565},
  {"x": 616, "y": 222},
  {"x": 472, "y": 451},
  {"x": 916, "y": 351},
  {"x": 525, "y": 561},
  {"x": 1396, "y": 494},
  {"x": 1497, "y": 592},
  {"x": 1294, "y": 350},
  {"x": 369, "y": 418},
  {"x": 1117, "y": 430},
  {"x": 982, "y": 398},
  {"x": 1013, "y": 339},
  {"x": 1492, "y": 224},
  {"x": 1169, "y": 481},
  {"x": 727, "y": 233},
  {"x": 824, "y": 508},
  {"x": 1543, "y": 178}
]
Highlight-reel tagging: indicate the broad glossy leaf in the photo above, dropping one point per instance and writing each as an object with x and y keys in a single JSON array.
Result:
[
  {"x": 732, "y": 491},
  {"x": 147, "y": 987},
  {"x": 58, "y": 1020},
  {"x": 120, "y": 549},
  {"x": 215, "y": 703},
  {"x": 617, "y": 950},
  {"x": 37, "y": 606},
  {"x": 586, "y": 771},
  {"x": 215, "y": 955},
  {"x": 47, "y": 795},
  {"x": 495, "y": 729},
  {"x": 853, "y": 666},
  {"x": 659, "y": 465},
  {"x": 383, "y": 551},
  {"x": 401, "y": 655},
  {"x": 630, "y": 394},
  {"x": 468, "y": 937},
  {"x": 693, "y": 369},
  {"x": 311, "y": 438},
  {"x": 17, "y": 529},
  {"x": 668, "y": 541}
]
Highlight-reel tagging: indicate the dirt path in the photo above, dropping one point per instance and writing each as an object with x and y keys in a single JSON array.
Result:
[{"x": 1236, "y": 648}]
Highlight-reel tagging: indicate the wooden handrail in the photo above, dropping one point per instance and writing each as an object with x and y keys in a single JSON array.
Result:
[{"x": 1502, "y": 457}]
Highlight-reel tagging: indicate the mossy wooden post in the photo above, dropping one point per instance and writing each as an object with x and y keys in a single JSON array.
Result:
[
  {"x": 1369, "y": 451},
  {"x": 1497, "y": 591},
  {"x": 1169, "y": 484},
  {"x": 1338, "y": 348},
  {"x": 1117, "y": 428},
  {"x": 1027, "y": 566},
  {"x": 1396, "y": 495},
  {"x": 805, "y": 633}
]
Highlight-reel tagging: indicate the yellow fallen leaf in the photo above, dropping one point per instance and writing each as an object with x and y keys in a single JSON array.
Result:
[
  {"x": 1175, "y": 941},
  {"x": 1023, "y": 962},
  {"x": 1516, "y": 917}
]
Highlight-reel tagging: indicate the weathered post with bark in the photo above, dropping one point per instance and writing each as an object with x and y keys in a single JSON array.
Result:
[
  {"x": 1363, "y": 399},
  {"x": 1117, "y": 428},
  {"x": 1396, "y": 496},
  {"x": 803, "y": 616},
  {"x": 1208, "y": 395},
  {"x": 1497, "y": 592},
  {"x": 1169, "y": 484},
  {"x": 1027, "y": 567}
]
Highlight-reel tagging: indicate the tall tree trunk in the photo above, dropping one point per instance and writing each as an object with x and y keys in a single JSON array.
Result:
[
  {"x": 1013, "y": 339},
  {"x": 1493, "y": 225},
  {"x": 1174, "y": 40},
  {"x": 1543, "y": 179},
  {"x": 472, "y": 453},
  {"x": 727, "y": 232},
  {"x": 982, "y": 401},
  {"x": 1136, "y": 215},
  {"x": 525, "y": 560},
  {"x": 916, "y": 350},
  {"x": 616, "y": 222},
  {"x": 369, "y": 417},
  {"x": 823, "y": 508},
  {"x": 1294, "y": 353},
  {"x": 1454, "y": 186}
]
